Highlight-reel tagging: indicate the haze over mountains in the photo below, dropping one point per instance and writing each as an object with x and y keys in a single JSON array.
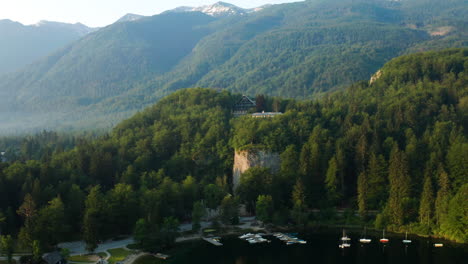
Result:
[
  {"x": 21, "y": 44},
  {"x": 299, "y": 50}
]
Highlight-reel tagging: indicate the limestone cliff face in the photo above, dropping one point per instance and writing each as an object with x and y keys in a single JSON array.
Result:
[
  {"x": 375, "y": 77},
  {"x": 245, "y": 159}
]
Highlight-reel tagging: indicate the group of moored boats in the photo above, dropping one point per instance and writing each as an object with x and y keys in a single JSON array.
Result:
[
  {"x": 289, "y": 239},
  {"x": 346, "y": 241},
  {"x": 254, "y": 238}
]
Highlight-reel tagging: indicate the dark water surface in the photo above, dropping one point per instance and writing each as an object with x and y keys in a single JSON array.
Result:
[{"x": 323, "y": 248}]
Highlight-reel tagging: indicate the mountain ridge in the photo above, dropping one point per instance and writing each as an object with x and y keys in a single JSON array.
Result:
[
  {"x": 298, "y": 50},
  {"x": 218, "y": 9},
  {"x": 23, "y": 44}
]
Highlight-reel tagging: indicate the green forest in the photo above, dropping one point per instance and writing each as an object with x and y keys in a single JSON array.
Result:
[
  {"x": 394, "y": 150},
  {"x": 297, "y": 50}
]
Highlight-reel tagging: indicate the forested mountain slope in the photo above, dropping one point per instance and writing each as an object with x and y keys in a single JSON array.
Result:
[
  {"x": 298, "y": 50},
  {"x": 398, "y": 146},
  {"x": 21, "y": 45}
]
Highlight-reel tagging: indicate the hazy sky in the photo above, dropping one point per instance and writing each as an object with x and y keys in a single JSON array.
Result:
[{"x": 100, "y": 12}]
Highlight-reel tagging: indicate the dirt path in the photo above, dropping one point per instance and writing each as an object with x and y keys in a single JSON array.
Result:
[
  {"x": 130, "y": 259},
  {"x": 79, "y": 247}
]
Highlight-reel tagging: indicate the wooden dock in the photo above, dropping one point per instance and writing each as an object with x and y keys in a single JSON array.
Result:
[
  {"x": 161, "y": 256},
  {"x": 212, "y": 241}
]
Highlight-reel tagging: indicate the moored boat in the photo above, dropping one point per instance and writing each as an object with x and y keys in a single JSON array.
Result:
[
  {"x": 383, "y": 239},
  {"x": 365, "y": 240},
  {"x": 345, "y": 237},
  {"x": 406, "y": 240},
  {"x": 345, "y": 241}
]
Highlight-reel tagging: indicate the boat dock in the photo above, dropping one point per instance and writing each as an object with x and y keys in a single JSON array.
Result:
[
  {"x": 213, "y": 240},
  {"x": 161, "y": 256},
  {"x": 289, "y": 239},
  {"x": 255, "y": 238}
]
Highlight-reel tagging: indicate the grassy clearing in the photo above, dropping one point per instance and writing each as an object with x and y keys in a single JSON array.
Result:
[
  {"x": 90, "y": 258},
  {"x": 118, "y": 254},
  {"x": 148, "y": 259},
  {"x": 6, "y": 261}
]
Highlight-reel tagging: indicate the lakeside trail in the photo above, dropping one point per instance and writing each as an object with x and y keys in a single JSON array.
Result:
[{"x": 79, "y": 247}]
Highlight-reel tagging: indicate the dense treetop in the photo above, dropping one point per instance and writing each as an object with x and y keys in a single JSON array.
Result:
[{"x": 396, "y": 148}]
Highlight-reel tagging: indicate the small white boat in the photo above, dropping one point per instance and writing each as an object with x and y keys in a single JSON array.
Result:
[
  {"x": 344, "y": 241},
  {"x": 345, "y": 237},
  {"x": 344, "y": 245},
  {"x": 406, "y": 240},
  {"x": 365, "y": 240},
  {"x": 244, "y": 236},
  {"x": 438, "y": 245},
  {"x": 302, "y": 241}
]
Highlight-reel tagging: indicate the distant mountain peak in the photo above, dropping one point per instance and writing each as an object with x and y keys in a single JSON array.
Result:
[
  {"x": 77, "y": 27},
  {"x": 130, "y": 17},
  {"x": 218, "y": 9}
]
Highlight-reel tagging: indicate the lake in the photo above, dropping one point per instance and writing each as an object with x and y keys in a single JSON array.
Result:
[{"x": 323, "y": 248}]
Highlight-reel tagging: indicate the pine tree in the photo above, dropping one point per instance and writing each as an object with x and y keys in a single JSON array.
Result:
[
  {"x": 230, "y": 210},
  {"x": 289, "y": 162},
  {"x": 426, "y": 206},
  {"x": 52, "y": 223},
  {"x": 361, "y": 152},
  {"x": 399, "y": 187},
  {"x": 93, "y": 220},
  {"x": 363, "y": 190},
  {"x": 264, "y": 208},
  {"x": 332, "y": 181},
  {"x": 455, "y": 225},
  {"x": 7, "y": 247},
  {"x": 457, "y": 161},
  {"x": 36, "y": 251},
  {"x": 376, "y": 175},
  {"x": 29, "y": 212},
  {"x": 198, "y": 212},
  {"x": 299, "y": 211},
  {"x": 443, "y": 197}
]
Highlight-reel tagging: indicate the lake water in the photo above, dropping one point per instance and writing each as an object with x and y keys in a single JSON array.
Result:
[{"x": 323, "y": 248}]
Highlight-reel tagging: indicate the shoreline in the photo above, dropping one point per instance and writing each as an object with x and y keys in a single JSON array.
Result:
[{"x": 238, "y": 230}]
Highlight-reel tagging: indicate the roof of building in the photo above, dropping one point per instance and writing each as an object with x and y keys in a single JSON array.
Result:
[
  {"x": 53, "y": 257},
  {"x": 246, "y": 100}
]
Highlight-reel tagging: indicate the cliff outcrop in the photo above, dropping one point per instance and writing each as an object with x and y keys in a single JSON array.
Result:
[{"x": 245, "y": 159}]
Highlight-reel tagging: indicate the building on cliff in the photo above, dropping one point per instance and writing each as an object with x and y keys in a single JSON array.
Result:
[
  {"x": 243, "y": 106},
  {"x": 266, "y": 114}
]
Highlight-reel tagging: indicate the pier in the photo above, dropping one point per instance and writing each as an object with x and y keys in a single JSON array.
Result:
[
  {"x": 213, "y": 240},
  {"x": 289, "y": 239},
  {"x": 255, "y": 238}
]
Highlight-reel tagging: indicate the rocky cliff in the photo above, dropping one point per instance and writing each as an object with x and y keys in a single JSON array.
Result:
[{"x": 245, "y": 159}]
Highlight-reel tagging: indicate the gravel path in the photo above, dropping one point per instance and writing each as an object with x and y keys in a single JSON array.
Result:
[{"x": 79, "y": 247}]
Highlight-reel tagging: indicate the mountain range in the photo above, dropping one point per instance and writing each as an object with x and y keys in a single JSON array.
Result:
[
  {"x": 297, "y": 50},
  {"x": 23, "y": 44},
  {"x": 219, "y": 9}
]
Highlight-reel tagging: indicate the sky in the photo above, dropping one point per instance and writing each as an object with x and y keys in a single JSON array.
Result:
[{"x": 98, "y": 13}]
